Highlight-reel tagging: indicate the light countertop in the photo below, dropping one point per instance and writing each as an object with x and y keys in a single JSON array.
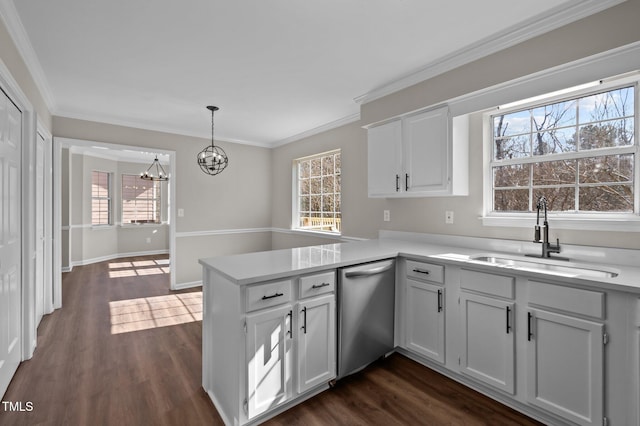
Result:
[{"x": 256, "y": 267}]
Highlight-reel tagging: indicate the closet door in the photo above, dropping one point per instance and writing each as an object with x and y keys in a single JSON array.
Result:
[{"x": 10, "y": 238}]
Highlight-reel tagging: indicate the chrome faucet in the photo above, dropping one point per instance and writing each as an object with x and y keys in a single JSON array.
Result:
[{"x": 547, "y": 247}]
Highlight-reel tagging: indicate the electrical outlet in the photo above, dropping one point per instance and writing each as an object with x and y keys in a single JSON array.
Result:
[
  {"x": 448, "y": 217},
  {"x": 148, "y": 240},
  {"x": 387, "y": 216}
]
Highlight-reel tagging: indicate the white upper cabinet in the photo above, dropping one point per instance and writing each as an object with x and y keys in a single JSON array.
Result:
[{"x": 419, "y": 155}]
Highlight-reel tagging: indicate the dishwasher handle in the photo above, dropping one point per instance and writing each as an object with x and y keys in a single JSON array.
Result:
[{"x": 369, "y": 272}]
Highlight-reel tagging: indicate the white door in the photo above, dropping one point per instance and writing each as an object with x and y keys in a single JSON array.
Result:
[
  {"x": 426, "y": 138},
  {"x": 384, "y": 144},
  {"x": 10, "y": 239},
  {"x": 488, "y": 351},
  {"x": 269, "y": 343},
  {"x": 425, "y": 319},
  {"x": 565, "y": 369},
  {"x": 40, "y": 229},
  {"x": 316, "y": 342}
]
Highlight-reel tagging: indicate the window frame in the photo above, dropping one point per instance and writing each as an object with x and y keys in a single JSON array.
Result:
[
  {"x": 109, "y": 199},
  {"x": 157, "y": 199},
  {"x": 295, "y": 216},
  {"x": 600, "y": 221}
]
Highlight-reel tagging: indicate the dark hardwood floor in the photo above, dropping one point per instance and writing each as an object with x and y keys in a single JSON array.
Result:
[{"x": 125, "y": 350}]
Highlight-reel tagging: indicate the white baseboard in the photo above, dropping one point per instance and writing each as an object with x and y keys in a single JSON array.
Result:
[
  {"x": 182, "y": 286},
  {"x": 112, "y": 257}
]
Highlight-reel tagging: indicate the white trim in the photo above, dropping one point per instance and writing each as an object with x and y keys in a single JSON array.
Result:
[
  {"x": 316, "y": 130},
  {"x": 191, "y": 284},
  {"x": 543, "y": 23},
  {"x": 84, "y": 262},
  {"x": 215, "y": 232},
  {"x": 630, "y": 224},
  {"x": 18, "y": 34},
  {"x": 48, "y": 214}
]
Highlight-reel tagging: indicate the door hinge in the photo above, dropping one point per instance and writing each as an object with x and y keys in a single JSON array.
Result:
[
  {"x": 458, "y": 300},
  {"x": 605, "y": 421},
  {"x": 459, "y": 362},
  {"x": 245, "y": 407},
  {"x": 605, "y": 338},
  {"x": 245, "y": 327}
]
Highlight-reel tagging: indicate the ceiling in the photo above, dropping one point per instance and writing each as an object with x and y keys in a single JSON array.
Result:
[{"x": 276, "y": 68}]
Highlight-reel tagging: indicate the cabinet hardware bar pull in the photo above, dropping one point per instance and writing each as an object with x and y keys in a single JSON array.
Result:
[
  {"x": 290, "y": 332},
  {"x": 397, "y": 183},
  {"x": 406, "y": 181},
  {"x": 421, "y": 271},
  {"x": 529, "y": 333},
  {"x": 272, "y": 296},
  {"x": 320, "y": 285},
  {"x": 439, "y": 300},
  {"x": 304, "y": 324},
  {"x": 369, "y": 272},
  {"x": 508, "y": 319}
]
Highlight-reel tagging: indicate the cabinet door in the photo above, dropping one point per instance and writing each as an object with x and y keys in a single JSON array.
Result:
[
  {"x": 565, "y": 366},
  {"x": 384, "y": 144},
  {"x": 427, "y": 151},
  {"x": 316, "y": 342},
  {"x": 488, "y": 351},
  {"x": 425, "y": 319},
  {"x": 269, "y": 344}
]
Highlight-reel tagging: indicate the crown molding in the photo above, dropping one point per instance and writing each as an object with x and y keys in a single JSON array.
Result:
[
  {"x": 316, "y": 130},
  {"x": 18, "y": 34},
  {"x": 541, "y": 24}
]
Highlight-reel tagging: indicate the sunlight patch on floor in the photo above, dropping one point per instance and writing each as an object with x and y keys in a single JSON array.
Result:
[
  {"x": 139, "y": 268},
  {"x": 151, "y": 312}
]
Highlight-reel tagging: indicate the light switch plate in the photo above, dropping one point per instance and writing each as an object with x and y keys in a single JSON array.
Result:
[
  {"x": 180, "y": 212},
  {"x": 386, "y": 215},
  {"x": 448, "y": 217}
]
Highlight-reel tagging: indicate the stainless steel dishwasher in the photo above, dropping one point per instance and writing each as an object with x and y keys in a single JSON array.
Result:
[{"x": 366, "y": 299}]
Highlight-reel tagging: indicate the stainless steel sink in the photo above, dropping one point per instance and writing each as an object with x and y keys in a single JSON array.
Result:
[{"x": 542, "y": 266}]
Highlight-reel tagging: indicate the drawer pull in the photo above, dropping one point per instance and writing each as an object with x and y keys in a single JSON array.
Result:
[
  {"x": 421, "y": 271},
  {"x": 529, "y": 332},
  {"x": 320, "y": 285},
  {"x": 272, "y": 296}
]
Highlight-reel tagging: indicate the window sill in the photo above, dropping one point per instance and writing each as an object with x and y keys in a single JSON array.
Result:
[
  {"x": 142, "y": 225},
  {"x": 621, "y": 223},
  {"x": 323, "y": 234},
  {"x": 102, "y": 227}
]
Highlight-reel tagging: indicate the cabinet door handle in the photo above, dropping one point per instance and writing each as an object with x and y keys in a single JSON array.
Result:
[
  {"x": 272, "y": 296},
  {"x": 397, "y": 183},
  {"x": 406, "y": 181},
  {"x": 421, "y": 271},
  {"x": 529, "y": 332},
  {"x": 508, "y": 319},
  {"x": 320, "y": 285},
  {"x": 304, "y": 321},
  {"x": 439, "y": 300},
  {"x": 290, "y": 332}
]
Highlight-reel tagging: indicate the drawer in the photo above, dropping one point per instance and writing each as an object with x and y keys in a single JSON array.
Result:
[
  {"x": 482, "y": 282},
  {"x": 425, "y": 271},
  {"x": 312, "y": 285},
  {"x": 567, "y": 299},
  {"x": 264, "y": 295}
]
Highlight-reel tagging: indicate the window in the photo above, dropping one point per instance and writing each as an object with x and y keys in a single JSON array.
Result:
[
  {"x": 140, "y": 200},
  {"x": 579, "y": 152},
  {"x": 100, "y": 198},
  {"x": 317, "y": 192}
]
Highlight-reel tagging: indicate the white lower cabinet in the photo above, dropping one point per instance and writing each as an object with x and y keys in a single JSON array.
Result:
[
  {"x": 269, "y": 359},
  {"x": 316, "y": 338},
  {"x": 425, "y": 319},
  {"x": 488, "y": 340},
  {"x": 565, "y": 366}
]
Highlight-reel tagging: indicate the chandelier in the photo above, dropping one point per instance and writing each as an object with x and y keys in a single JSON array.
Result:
[
  {"x": 212, "y": 159},
  {"x": 160, "y": 174}
]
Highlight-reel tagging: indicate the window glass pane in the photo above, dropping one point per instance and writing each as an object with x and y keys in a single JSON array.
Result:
[
  {"x": 509, "y": 176},
  {"x": 100, "y": 198},
  {"x": 611, "y": 168},
  {"x": 319, "y": 194},
  {"x": 608, "y": 105},
  {"x": 140, "y": 200},
  {"x": 516, "y": 200},
  {"x": 514, "y": 147},
  {"x": 561, "y": 114},
  {"x": 609, "y": 198},
  {"x": 515, "y": 123},
  {"x": 554, "y": 141},
  {"x": 558, "y": 199},
  {"x": 607, "y": 134},
  {"x": 554, "y": 172}
]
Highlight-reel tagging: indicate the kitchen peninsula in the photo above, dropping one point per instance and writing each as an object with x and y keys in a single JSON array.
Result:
[{"x": 532, "y": 335}]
